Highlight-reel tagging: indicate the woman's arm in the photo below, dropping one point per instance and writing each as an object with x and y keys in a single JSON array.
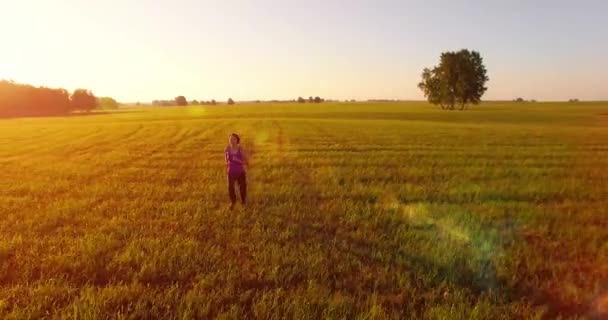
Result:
[{"x": 245, "y": 157}]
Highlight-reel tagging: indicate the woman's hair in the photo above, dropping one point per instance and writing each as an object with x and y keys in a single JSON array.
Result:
[{"x": 238, "y": 139}]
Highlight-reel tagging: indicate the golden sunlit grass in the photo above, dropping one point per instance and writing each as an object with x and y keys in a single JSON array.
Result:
[{"x": 357, "y": 211}]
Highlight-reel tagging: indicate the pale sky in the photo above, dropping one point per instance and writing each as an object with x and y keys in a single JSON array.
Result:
[{"x": 140, "y": 50}]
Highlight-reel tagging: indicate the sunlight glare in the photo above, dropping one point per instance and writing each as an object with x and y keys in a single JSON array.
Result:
[
  {"x": 197, "y": 111},
  {"x": 261, "y": 137}
]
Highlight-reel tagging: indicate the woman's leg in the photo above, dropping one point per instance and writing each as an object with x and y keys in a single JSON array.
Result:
[
  {"x": 243, "y": 187},
  {"x": 231, "y": 192}
]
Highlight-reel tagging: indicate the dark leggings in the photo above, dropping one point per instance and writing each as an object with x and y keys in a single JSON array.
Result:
[{"x": 242, "y": 181}]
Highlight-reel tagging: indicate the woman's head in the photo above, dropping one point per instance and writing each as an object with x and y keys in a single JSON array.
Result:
[{"x": 234, "y": 139}]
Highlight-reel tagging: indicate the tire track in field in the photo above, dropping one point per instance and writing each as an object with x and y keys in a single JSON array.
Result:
[
  {"x": 155, "y": 225},
  {"x": 182, "y": 184},
  {"x": 94, "y": 175},
  {"x": 181, "y": 156},
  {"x": 318, "y": 222},
  {"x": 94, "y": 145},
  {"x": 321, "y": 223},
  {"x": 239, "y": 252},
  {"x": 214, "y": 225},
  {"x": 565, "y": 248},
  {"x": 94, "y": 140},
  {"x": 51, "y": 224},
  {"x": 185, "y": 165}
]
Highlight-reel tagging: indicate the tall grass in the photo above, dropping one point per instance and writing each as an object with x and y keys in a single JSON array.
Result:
[{"x": 357, "y": 211}]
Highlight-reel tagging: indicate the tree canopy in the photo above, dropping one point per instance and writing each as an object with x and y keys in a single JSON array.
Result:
[
  {"x": 181, "y": 101},
  {"x": 107, "y": 103},
  {"x": 458, "y": 81},
  {"x": 83, "y": 100},
  {"x": 17, "y": 100}
]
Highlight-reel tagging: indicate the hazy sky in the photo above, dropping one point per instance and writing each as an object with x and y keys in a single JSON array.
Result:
[{"x": 157, "y": 49}]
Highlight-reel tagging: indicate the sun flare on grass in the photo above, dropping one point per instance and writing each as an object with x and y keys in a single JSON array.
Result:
[{"x": 354, "y": 216}]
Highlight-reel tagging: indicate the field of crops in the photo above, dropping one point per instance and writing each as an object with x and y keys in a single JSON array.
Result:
[{"x": 357, "y": 211}]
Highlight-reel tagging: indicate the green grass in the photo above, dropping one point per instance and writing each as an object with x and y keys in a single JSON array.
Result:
[{"x": 358, "y": 211}]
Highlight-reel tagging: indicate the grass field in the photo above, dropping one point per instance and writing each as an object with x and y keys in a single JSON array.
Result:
[{"x": 357, "y": 211}]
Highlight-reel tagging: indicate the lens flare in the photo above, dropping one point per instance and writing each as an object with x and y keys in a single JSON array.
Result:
[
  {"x": 418, "y": 213},
  {"x": 389, "y": 201},
  {"x": 261, "y": 137},
  {"x": 453, "y": 232},
  {"x": 196, "y": 111}
]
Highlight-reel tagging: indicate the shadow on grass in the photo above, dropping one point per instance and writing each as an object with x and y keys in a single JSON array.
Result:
[{"x": 423, "y": 270}]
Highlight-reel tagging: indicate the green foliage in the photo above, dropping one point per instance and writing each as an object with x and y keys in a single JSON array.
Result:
[
  {"x": 19, "y": 100},
  {"x": 181, "y": 101},
  {"x": 83, "y": 100},
  {"x": 358, "y": 211},
  {"x": 230, "y": 101},
  {"x": 316, "y": 99},
  {"x": 107, "y": 103},
  {"x": 458, "y": 81}
]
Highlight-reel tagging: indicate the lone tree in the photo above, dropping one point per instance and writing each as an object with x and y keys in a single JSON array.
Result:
[
  {"x": 83, "y": 100},
  {"x": 458, "y": 81},
  {"x": 301, "y": 100},
  {"x": 230, "y": 101},
  {"x": 181, "y": 101}
]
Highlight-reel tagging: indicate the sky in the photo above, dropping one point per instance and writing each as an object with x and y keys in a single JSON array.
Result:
[{"x": 141, "y": 50}]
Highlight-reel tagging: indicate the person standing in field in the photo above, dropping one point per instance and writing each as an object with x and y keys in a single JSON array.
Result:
[{"x": 236, "y": 159}]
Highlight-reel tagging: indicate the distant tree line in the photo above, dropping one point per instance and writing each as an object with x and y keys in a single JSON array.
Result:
[
  {"x": 20, "y": 100},
  {"x": 164, "y": 103},
  {"x": 522, "y": 100},
  {"x": 316, "y": 99},
  {"x": 182, "y": 101},
  {"x": 107, "y": 103},
  {"x": 383, "y": 100},
  {"x": 177, "y": 101}
]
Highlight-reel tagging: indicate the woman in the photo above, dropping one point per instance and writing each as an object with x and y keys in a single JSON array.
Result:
[{"x": 235, "y": 167}]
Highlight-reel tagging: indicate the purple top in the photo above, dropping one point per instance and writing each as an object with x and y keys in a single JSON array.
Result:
[{"x": 234, "y": 168}]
